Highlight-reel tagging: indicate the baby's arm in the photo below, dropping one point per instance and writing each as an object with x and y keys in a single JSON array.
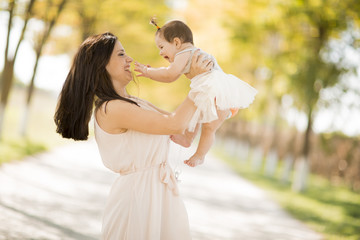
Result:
[
  {"x": 164, "y": 74},
  {"x": 207, "y": 138}
]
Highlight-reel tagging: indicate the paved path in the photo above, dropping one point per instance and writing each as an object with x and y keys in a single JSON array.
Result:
[{"x": 61, "y": 195}]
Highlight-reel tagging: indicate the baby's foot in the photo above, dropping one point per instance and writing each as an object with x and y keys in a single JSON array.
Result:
[
  {"x": 194, "y": 161},
  {"x": 181, "y": 140}
]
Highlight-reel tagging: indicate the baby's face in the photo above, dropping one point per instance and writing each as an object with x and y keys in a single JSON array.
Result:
[{"x": 167, "y": 49}]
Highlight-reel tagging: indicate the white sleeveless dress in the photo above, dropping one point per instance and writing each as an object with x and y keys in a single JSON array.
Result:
[
  {"x": 143, "y": 203},
  {"x": 228, "y": 90}
]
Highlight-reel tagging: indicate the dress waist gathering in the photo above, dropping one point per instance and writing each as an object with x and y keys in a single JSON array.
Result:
[{"x": 165, "y": 173}]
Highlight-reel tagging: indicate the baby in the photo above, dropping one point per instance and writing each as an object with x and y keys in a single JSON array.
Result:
[{"x": 216, "y": 95}]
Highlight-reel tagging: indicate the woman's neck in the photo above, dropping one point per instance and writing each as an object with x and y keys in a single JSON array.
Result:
[
  {"x": 122, "y": 93},
  {"x": 120, "y": 90}
]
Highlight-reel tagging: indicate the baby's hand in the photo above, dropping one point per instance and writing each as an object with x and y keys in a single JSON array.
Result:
[{"x": 142, "y": 69}]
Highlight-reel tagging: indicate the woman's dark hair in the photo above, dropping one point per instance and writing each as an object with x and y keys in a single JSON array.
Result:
[
  {"x": 175, "y": 29},
  {"x": 87, "y": 79}
]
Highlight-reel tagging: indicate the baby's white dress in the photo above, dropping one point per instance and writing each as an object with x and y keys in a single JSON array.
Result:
[
  {"x": 144, "y": 202},
  {"x": 216, "y": 89}
]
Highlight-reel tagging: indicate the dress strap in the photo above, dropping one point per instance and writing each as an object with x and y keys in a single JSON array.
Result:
[
  {"x": 186, "y": 50},
  {"x": 187, "y": 66}
]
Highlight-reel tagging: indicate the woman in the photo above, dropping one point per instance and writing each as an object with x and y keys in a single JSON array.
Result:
[{"x": 133, "y": 140}]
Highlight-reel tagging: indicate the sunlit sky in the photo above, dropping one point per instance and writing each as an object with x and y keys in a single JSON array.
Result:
[{"x": 52, "y": 71}]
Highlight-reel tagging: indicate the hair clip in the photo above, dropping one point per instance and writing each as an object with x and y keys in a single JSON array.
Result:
[{"x": 153, "y": 22}]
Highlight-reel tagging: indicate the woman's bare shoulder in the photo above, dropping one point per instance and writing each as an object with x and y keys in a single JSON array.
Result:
[
  {"x": 113, "y": 108},
  {"x": 111, "y": 115}
]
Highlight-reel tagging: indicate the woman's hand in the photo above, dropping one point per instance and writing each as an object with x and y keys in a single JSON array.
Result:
[{"x": 199, "y": 65}]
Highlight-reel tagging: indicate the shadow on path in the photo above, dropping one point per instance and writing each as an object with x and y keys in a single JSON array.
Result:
[{"x": 64, "y": 230}]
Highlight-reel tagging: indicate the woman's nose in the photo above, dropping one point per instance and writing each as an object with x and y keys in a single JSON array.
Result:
[{"x": 130, "y": 59}]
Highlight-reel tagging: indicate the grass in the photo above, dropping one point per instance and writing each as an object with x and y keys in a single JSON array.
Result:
[
  {"x": 333, "y": 211},
  {"x": 41, "y": 135},
  {"x": 17, "y": 149}
]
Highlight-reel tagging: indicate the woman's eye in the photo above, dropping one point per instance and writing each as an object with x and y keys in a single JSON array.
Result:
[{"x": 121, "y": 54}]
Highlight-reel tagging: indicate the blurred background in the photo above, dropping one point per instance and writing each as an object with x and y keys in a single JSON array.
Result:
[{"x": 300, "y": 139}]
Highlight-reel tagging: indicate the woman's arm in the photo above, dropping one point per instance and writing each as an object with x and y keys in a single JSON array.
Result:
[
  {"x": 121, "y": 115},
  {"x": 158, "y": 109}
]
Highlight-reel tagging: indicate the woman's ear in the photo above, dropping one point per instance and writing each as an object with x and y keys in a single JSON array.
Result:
[{"x": 177, "y": 42}]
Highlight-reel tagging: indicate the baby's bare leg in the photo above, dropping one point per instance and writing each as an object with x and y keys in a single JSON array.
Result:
[
  {"x": 185, "y": 139},
  {"x": 207, "y": 138}
]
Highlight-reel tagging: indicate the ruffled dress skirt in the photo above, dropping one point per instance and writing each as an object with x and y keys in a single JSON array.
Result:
[{"x": 218, "y": 90}]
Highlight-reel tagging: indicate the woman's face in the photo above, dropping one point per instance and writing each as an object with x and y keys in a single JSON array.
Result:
[
  {"x": 118, "y": 66},
  {"x": 167, "y": 50}
]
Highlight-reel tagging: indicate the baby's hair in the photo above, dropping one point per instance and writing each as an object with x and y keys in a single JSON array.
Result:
[
  {"x": 174, "y": 29},
  {"x": 153, "y": 21}
]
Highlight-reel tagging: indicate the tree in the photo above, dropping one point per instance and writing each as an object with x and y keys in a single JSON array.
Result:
[
  {"x": 52, "y": 13},
  {"x": 315, "y": 25},
  {"x": 290, "y": 38},
  {"x": 7, "y": 76}
]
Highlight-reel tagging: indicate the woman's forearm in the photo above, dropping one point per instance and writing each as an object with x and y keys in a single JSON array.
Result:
[{"x": 182, "y": 115}]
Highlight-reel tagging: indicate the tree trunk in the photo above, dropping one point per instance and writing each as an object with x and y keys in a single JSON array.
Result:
[
  {"x": 301, "y": 174},
  {"x": 272, "y": 155},
  {"x": 244, "y": 151},
  {"x": 302, "y": 167},
  {"x": 26, "y": 112},
  {"x": 2, "y": 113},
  {"x": 39, "y": 48},
  {"x": 88, "y": 20},
  {"x": 271, "y": 163},
  {"x": 24, "y": 120},
  {"x": 288, "y": 163},
  {"x": 7, "y": 79},
  {"x": 290, "y": 157},
  {"x": 257, "y": 159},
  {"x": 8, "y": 72}
]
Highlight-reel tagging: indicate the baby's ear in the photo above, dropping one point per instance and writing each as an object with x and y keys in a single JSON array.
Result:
[{"x": 177, "y": 42}]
